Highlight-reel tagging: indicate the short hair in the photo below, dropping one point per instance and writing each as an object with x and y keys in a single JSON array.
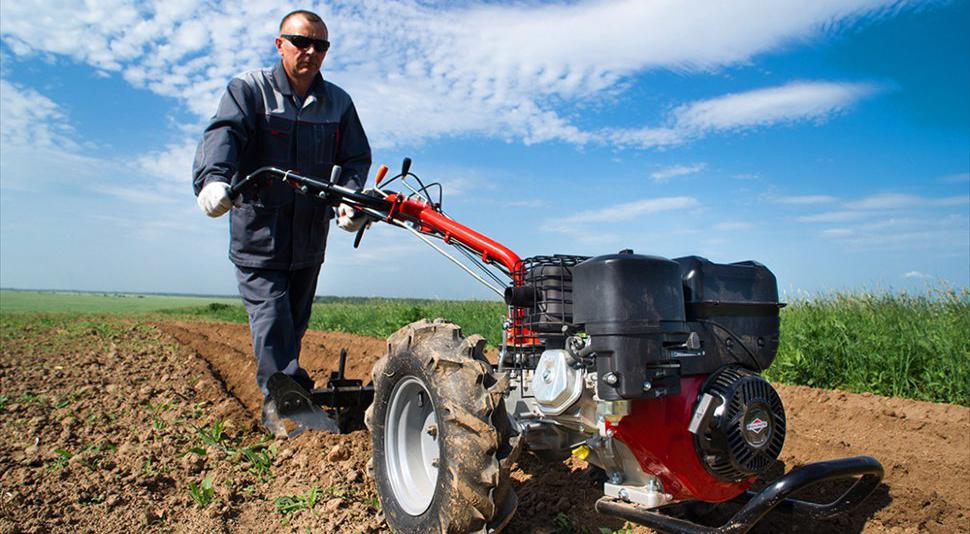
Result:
[{"x": 309, "y": 15}]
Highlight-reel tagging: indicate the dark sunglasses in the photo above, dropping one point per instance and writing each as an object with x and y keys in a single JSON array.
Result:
[{"x": 303, "y": 42}]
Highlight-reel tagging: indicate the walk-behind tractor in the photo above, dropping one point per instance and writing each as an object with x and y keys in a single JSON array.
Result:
[{"x": 645, "y": 367}]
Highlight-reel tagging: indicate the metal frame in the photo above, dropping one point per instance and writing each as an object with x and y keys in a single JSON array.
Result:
[{"x": 778, "y": 493}]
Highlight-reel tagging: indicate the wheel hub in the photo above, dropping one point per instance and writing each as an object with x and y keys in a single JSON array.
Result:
[{"x": 411, "y": 445}]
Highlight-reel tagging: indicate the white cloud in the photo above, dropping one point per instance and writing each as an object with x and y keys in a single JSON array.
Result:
[
  {"x": 791, "y": 102},
  {"x": 172, "y": 167},
  {"x": 883, "y": 201},
  {"x": 917, "y": 274},
  {"x": 664, "y": 175},
  {"x": 30, "y": 119},
  {"x": 871, "y": 206},
  {"x": 416, "y": 72},
  {"x": 39, "y": 149},
  {"x": 912, "y": 232},
  {"x": 832, "y": 216},
  {"x": 581, "y": 223},
  {"x": 804, "y": 199}
]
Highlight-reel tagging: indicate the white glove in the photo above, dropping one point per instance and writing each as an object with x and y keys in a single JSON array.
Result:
[
  {"x": 348, "y": 219},
  {"x": 214, "y": 199}
]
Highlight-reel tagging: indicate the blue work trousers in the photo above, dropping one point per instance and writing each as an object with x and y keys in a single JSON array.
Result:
[{"x": 278, "y": 303}]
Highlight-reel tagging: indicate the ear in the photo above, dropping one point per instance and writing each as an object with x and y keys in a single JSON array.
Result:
[{"x": 279, "y": 45}]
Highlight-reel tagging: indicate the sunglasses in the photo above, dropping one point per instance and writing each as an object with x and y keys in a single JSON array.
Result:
[{"x": 303, "y": 42}]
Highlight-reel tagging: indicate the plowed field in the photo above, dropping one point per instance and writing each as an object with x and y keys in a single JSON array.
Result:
[{"x": 105, "y": 431}]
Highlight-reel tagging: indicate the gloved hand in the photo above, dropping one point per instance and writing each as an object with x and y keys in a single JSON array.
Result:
[
  {"x": 214, "y": 199},
  {"x": 348, "y": 218}
]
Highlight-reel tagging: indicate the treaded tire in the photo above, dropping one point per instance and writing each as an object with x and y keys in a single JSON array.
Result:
[{"x": 472, "y": 492}]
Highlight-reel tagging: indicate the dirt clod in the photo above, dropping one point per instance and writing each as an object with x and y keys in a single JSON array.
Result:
[{"x": 337, "y": 454}]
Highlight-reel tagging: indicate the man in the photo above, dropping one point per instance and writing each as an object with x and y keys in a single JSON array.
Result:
[{"x": 286, "y": 117}]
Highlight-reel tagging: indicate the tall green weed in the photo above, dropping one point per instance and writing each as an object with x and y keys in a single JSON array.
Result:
[{"x": 897, "y": 344}]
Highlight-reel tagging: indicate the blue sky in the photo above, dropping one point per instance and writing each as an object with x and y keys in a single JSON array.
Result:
[{"x": 829, "y": 140}]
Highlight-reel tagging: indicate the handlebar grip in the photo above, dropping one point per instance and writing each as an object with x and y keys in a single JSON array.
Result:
[
  {"x": 235, "y": 189},
  {"x": 360, "y": 234},
  {"x": 381, "y": 173}
]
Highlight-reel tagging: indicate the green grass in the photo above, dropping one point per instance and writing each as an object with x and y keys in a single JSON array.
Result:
[
  {"x": 288, "y": 504},
  {"x": 915, "y": 346},
  {"x": 115, "y": 303},
  {"x": 376, "y": 317},
  {"x": 896, "y": 344},
  {"x": 203, "y": 493}
]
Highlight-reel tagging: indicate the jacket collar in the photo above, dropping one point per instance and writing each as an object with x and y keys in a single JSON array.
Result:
[{"x": 283, "y": 83}]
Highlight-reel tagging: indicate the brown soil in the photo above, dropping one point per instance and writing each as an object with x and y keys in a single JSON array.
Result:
[{"x": 125, "y": 405}]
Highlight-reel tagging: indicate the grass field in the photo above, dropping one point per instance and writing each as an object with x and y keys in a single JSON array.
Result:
[
  {"x": 915, "y": 346},
  {"x": 76, "y": 302}
]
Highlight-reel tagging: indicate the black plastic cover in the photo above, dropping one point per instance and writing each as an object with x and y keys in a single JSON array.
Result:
[
  {"x": 627, "y": 293},
  {"x": 632, "y": 307},
  {"x": 734, "y": 309}
]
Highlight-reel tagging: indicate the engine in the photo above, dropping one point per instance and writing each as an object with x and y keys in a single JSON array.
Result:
[{"x": 648, "y": 368}]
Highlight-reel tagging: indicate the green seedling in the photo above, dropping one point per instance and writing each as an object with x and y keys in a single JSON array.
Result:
[
  {"x": 624, "y": 530},
  {"x": 289, "y": 504},
  {"x": 563, "y": 524},
  {"x": 259, "y": 457},
  {"x": 151, "y": 469},
  {"x": 69, "y": 399},
  {"x": 98, "y": 451},
  {"x": 4, "y": 400},
  {"x": 63, "y": 457},
  {"x": 340, "y": 492},
  {"x": 194, "y": 450},
  {"x": 213, "y": 435},
  {"x": 27, "y": 396},
  {"x": 156, "y": 409},
  {"x": 203, "y": 493}
]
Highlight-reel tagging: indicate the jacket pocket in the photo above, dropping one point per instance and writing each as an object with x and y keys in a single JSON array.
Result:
[
  {"x": 325, "y": 139},
  {"x": 275, "y": 140},
  {"x": 258, "y": 232}
]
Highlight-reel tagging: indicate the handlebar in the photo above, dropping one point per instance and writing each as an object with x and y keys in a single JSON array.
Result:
[
  {"x": 419, "y": 215},
  {"x": 310, "y": 186}
]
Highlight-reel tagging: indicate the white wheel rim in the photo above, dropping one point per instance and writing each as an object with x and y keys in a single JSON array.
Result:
[{"x": 411, "y": 446}]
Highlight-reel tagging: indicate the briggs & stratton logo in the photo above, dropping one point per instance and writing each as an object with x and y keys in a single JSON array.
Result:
[{"x": 757, "y": 425}]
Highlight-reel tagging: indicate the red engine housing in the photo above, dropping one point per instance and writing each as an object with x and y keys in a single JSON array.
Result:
[{"x": 656, "y": 432}]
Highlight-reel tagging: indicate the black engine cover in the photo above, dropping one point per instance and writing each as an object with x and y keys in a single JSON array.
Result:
[
  {"x": 733, "y": 307},
  {"x": 632, "y": 307},
  {"x": 742, "y": 431}
]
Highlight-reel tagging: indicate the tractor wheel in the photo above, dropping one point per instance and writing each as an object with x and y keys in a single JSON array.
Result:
[{"x": 442, "y": 440}]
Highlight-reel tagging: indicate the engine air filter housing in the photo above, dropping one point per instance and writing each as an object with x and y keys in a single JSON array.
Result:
[{"x": 743, "y": 430}]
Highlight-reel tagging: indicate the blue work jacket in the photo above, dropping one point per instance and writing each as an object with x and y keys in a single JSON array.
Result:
[{"x": 261, "y": 122}]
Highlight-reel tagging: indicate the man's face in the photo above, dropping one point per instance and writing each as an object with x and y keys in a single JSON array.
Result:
[{"x": 301, "y": 63}]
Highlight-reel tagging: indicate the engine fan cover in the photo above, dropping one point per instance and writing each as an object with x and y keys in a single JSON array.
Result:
[{"x": 743, "y": 430}]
